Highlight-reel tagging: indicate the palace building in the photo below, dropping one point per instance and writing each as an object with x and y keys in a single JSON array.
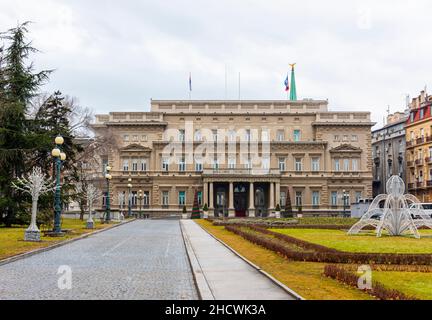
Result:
[{"x": 241, "y": 158}]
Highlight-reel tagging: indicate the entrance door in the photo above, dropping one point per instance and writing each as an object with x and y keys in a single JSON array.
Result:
[
  {"x": 240, "y": 200},
  {"x": 220, "y": 207},
  {"x": 260, "y": 205}
]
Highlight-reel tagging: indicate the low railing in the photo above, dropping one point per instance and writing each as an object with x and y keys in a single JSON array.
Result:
[
  {"x": 419, "y": 162},
  {"x": 429, "y": 183},
  {"x": 419, "y": 184}
]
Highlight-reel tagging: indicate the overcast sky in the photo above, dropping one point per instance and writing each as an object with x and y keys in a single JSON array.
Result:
[{"x": 116, "y": 55}]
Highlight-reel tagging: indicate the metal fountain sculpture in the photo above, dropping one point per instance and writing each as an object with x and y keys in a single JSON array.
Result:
[{"x": 396, "y": 215}]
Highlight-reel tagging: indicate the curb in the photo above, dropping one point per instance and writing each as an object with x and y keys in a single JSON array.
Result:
[
  {"x": 258, "y": 268},
  {"x": 201, "y": 283},
  {"x": 60, "y": 244}
]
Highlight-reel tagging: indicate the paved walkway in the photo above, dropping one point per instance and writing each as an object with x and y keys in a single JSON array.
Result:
[
  {"x": 228, "y": 276},
  {"x": 144, "y": 259}
]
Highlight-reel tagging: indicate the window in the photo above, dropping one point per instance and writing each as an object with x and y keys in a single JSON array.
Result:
[
  {"x": 298, "y": 164},
  {"x": 315, "y": 164},
  {"x": 412, "y": 117},
  {"x": 421, "y": 113},
  {"x": 165, "y": 165},
  {"x": 248, "y": 164},
  {"x": 282, "y": 164},
  {"x": 125, "y": 165},
  {"x": 216, "y": 164},
  {"x": 412, "y": 135},
  {"x": 146, "y": 198},
  {"x": 334, "y": 198},
  {"x": 144, "y": 165},
  {"x": 354, "y": 165},
  {"x": 265, "y": 135},
  {"x": 199, "y": 196},
  {"x": 215, "y": 135},
  {"x": 182, "y": 165},
  {"x": 125, "y": 138},
  {"x": 282, "y": 198},
  {"x": 315, "y": 198},
  {"x": 135, "y": 165},
  {"x": 181, "y": 135},
  {"x": 198, "y": 136},
  {"x": 336, "y": 137},
  {"x": 144, "y": 137},
  {"x": 165, "y": 198},
  {"x": 354, "y": 138},
  {"x": 280, "y": 135},
  {"x": 182, "y": 198},
  {"x": 298, "y": 198},
  {"x": 248, "y": 136},
  {"x": 232, "y": 135},
  {"x": 198, "y": 166},
  {"x": 266, "y": 163},
  {"x": 231, "y": 163},
  {"x": 346, "y": 164},
  {"x": 345, "y": 137},
  {"x": 358, "y": 196},
  {"x": 422, "y": 132},
  {"x": 297, "y": 136},
  {"x": 336, "y": 165}
]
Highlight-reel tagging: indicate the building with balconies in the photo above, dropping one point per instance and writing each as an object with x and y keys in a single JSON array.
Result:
[
  {"x": 240, "y": 157},
  {"x": 418, "y": 130},
  {"x": 388, "y": 151}
]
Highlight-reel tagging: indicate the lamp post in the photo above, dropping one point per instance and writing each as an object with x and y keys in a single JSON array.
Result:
[
  {"x": 59, "y": 156},
  {"x": 129, "y": 197},
  {"x": 140, "y": 196},
  {"x": 108, "y": 177},
  {"x": 345, "y": 197}
]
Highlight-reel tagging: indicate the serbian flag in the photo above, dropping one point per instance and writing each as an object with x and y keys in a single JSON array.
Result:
[
  {"x": 190, "y": 81},
  {"x": 286, "y": 84}
]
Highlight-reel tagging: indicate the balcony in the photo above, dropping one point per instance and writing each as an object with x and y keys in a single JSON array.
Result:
[
  {"x": 410, "y": 163},
  {"x": 411, "y": 186},
  {"x": 241, "y": 172},
  {"x": 419, "y": 162},
  {"x": 409, "y": 143},
  {"x": 428, "y": 160},
  {"x": 419, "y": 184},
  {"x": 429, "y": 183},
  {"x": 420, "y": 140}
]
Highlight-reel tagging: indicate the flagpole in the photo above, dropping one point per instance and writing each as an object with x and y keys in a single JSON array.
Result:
[{"x": 239, "y": 87}]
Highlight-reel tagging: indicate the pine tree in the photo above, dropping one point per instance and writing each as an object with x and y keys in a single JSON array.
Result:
[
  {"x": 18, "y": 85},
  {"x": 288, "y": 212},
  {"x": 196, "y": 212}
]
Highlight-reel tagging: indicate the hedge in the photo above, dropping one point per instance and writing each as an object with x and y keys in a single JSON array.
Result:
[
  {"x": 324, "y": 254},
  {"x": 378, "y": 290}
]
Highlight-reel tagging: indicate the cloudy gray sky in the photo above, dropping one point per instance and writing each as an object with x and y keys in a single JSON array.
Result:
[{"x": 116, "y": 55}]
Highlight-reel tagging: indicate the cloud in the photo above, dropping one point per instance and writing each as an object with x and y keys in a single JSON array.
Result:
[{"x": 360, "y": 55}]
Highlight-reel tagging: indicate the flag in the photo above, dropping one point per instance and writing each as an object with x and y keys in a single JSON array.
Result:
[
  {"x": 286, "y": 84},
  {"x": 190, "y": 81}
]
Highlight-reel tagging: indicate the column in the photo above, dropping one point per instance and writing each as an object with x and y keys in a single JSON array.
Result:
[
  {"x": 271, "y": 202},
  {"x": 211, "y": 207},
  {"x": 251, "y": 200},
  {"x": 277, "y": 190},
  {"x": 205, "y": 194},
  {"x": 231, "y": 211}
]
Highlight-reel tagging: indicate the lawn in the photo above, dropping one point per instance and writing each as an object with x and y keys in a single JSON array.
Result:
[
  {"x": 306, "y": 278},
  {"x": 338, "y": 239},
  {"x": 12, "y": 239},
  {"x": 418, "y": 284}
]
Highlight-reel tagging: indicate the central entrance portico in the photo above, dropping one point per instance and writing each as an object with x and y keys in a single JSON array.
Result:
[{"x": 240, "y": 196}]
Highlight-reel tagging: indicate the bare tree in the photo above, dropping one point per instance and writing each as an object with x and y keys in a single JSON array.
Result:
[
  {"x": 92, "y": 195},
  {"x": 35, "y": 184}
]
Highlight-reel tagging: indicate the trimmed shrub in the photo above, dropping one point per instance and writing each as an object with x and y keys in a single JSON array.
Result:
[{"x": 378, "y": 290}]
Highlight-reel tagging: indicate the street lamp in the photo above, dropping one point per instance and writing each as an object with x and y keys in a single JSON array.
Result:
[
  {"x": 108, "y": 177},
  {"x": 140, "y": 196},
  {"x": 59, "y": 156},
  {"x": 345, "y": 197},
  {"x": 129, "y": 197}
]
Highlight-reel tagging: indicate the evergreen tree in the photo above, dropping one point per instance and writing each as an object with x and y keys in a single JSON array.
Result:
[
  {"x": 196, "y": 213},
  {"x": 288, "y": 212},
  {"x": 18, "y": 85}
]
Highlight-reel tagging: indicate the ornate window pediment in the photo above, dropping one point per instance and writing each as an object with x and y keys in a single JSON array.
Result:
[
  {"x": 135, "y": 147},
  {"x": 346, "y": 148}
]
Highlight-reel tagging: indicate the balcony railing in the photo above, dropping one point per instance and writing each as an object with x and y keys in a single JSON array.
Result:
[
  {"x": 410, "y": 163},
  {"x": 420, "y": 140},
  {"x": 419, "y": 184},
  {"x": 419, "y": 162},
  {"x": 410, "y": 186},
  {"x": 429, "y": 183},
  {"x": 241, "y": 172},
  {"x": 428, "y": 160}
]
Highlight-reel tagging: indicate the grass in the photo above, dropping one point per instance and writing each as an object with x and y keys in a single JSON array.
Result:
[
  {"x": 12, "y": 239},
  {"x": 418, "y": 284},
  {"x": 338, "y": 239},
  {"x": 306, "y": 278}
]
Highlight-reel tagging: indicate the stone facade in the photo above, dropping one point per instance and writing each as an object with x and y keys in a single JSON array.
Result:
[
  {"x": 388, "y": 151},
  {"x": 419, "y": 147},
  {"x": 257, "y": 154}
]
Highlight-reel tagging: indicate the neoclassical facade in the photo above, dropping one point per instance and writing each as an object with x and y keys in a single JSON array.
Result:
[{"x": 241, "y": 158}]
